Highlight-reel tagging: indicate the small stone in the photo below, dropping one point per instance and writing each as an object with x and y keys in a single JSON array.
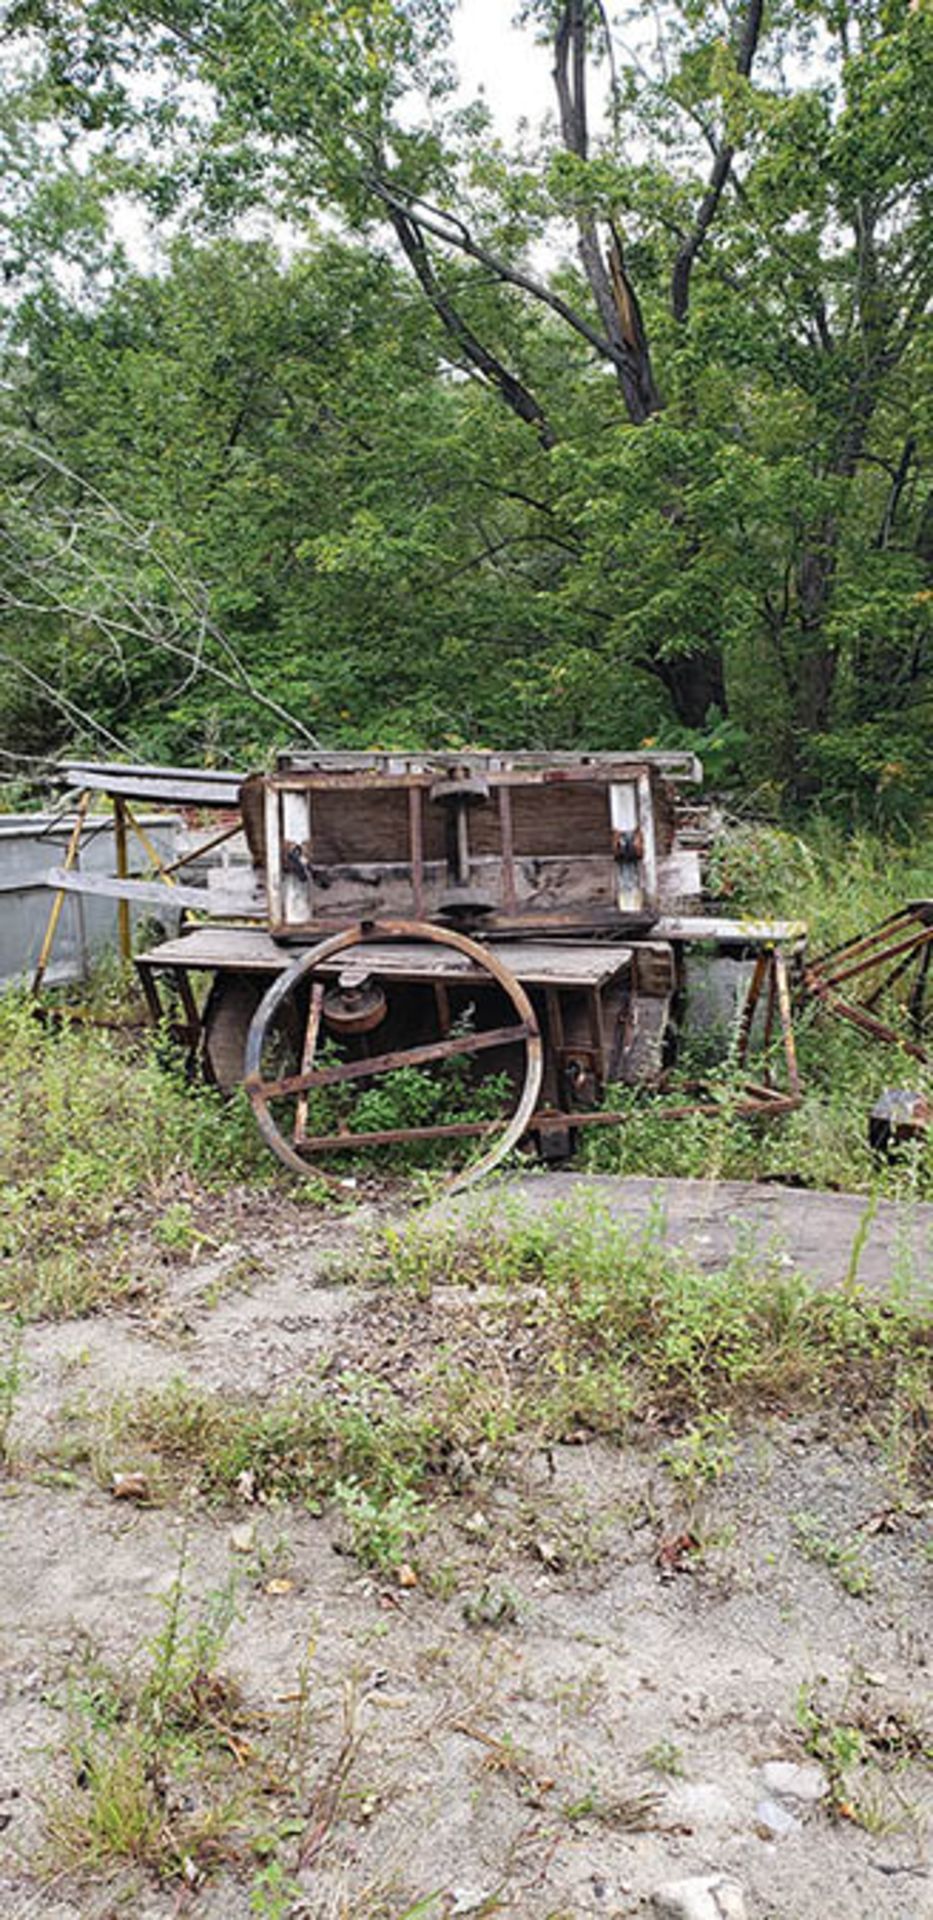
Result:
[
  {"x": 407, "y": 1577},
  {"x": 787, "y": 1780},
  {"x": 278, "y": 1587},
  {"x": 243, "y": 1539},
  {"x": 477, "y": 1524},
  {"x": 707, "y": 1897},
  {"x": 774, "y": 1821},
  {"x": 130, "y": 1486}
]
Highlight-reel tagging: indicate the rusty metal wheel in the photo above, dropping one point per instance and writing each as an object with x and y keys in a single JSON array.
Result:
[{"x": 391, "y": 1005}]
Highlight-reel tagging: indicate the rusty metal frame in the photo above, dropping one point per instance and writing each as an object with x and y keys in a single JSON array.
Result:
[
  {"x": 897, "y": 943},
  {"x": 770, "y": 977}
]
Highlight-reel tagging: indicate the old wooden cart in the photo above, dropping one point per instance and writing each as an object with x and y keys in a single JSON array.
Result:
[{"x": 464, "y": 946}]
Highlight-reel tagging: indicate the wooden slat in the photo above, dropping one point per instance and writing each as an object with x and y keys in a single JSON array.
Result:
[
  {"x": 178, "y": 786},
  {"x": 377, "y": 1063},
  {"x": 535, "y": 963},
  {"x": 507, "y": 838},
  {"x": 728, "y": 933},
  {"x": 416, "y": 844},
  {"x": 673, "y": 764},
  {"x": 142, "y": 892}
]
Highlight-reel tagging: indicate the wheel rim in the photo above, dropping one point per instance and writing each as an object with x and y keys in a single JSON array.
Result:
[{"x": 308, "y": 1079}]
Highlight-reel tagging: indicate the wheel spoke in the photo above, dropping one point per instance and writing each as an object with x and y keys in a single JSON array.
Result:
[
  {"x": 397, "y": 1136},
  {"x": 389, "y": 1062}
]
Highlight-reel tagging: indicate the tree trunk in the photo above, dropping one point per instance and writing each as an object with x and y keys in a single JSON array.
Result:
[
  {"x": 613, "y": 294},
  {"x": 695, "y": 683}
]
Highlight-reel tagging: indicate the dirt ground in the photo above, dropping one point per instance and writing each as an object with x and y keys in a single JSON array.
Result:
[{"x": 577, "y": 1713}]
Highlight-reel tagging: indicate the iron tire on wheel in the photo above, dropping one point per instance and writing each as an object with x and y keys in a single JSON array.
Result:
[{"x": 261, "y": 1091}]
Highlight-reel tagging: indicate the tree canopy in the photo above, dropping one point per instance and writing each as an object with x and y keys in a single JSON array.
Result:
[{"x": 621, "y": 431}]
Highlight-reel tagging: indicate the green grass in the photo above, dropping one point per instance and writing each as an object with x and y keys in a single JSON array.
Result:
[
  {"x": 613, "y": 1322},
  {"x": 355, "y": 1443},
  {"x": 577, "y": 1329},
  {"x": 169, "y": 1772},
  {"x": 97, "y": 1132},
  {"x": 869, "y": 1752}
]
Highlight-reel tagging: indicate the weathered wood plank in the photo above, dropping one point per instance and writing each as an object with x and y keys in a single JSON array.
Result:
[
  {"x": 179, "y": 786},
  {"x": 729, "y": 933},
  {"x": 241, "y": 950},
  {"x": 141, "y": 892}
]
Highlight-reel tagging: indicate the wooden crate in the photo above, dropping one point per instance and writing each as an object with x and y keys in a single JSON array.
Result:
[{"x": 500, "y": 843}]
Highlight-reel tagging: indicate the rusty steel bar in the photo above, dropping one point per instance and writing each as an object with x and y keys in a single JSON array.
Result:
[
  {"x": 750, "y": 1006},
  {"x": 916, "y": 941},
  {"x": 918, "y": 991},
  {"x": 762, "y": 1091},
  {"x": 388, "y": 1062},
  {"x": 755, "y": 1103},
  {"x": 884, "y": 928},
  {"x": 397, "y": 1136},
  {"x": 769, "y": 1024},
  {"x": 207, "y": 846},
  {"x": 147, "y": 981},
  {"x": 857, "y": 1017},
  {"x": 194, "y": 1026},
  {"x": 761, "y": 1101},
  {"x": 903, "y": 966}
]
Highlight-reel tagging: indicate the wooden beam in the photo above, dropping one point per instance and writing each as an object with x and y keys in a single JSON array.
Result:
[{"x": 135, "y": 892}]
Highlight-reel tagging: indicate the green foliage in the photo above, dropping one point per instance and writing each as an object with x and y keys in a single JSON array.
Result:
[
  {"x": 844, "y": 1558},
  {"x": 839, "y": 886},
  {"x": 752, "y": 866},
  {"x": 11, "y": 1379},
  {"x": 90, "y": 1124},
  {"x": 409, "y": 1097},
  {"x": 381, "y": 1531},
  {"x": 302, "y": 1446},
  {"x": 244, "y": 497}
]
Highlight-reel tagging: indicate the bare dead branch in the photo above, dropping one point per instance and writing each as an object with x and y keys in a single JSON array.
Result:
[
  {"x": 453, "y": 232},
  {"x": 613, "y": 293},
  {"x": 72, "y": 554},
  {"x": 513, "y": 391}
]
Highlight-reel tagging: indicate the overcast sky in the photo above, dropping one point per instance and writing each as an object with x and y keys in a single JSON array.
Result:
[{"x": 493, "y": 56}]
